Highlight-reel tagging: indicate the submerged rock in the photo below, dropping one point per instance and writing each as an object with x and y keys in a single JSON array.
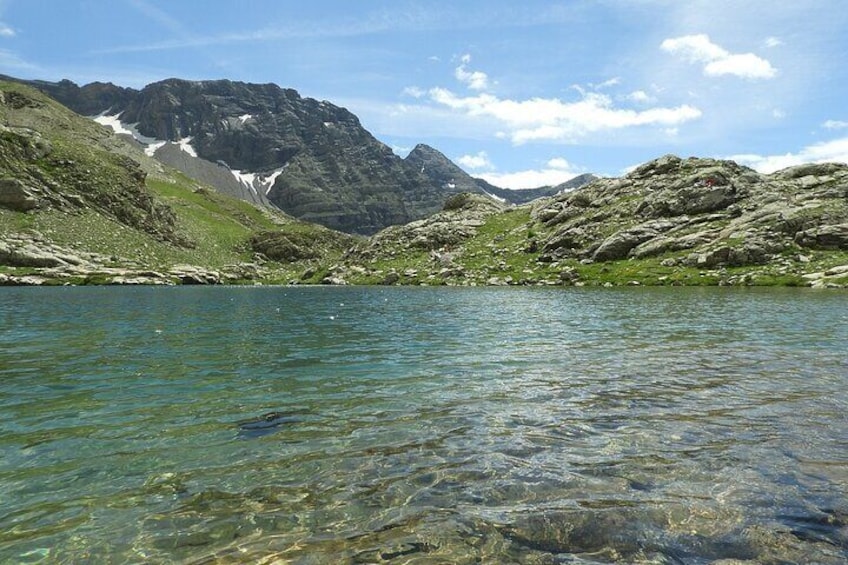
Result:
[{"x": 264, "y": 425}]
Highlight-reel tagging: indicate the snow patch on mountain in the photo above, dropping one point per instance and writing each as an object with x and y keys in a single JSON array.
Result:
[
  {"x": 258, "y": 182},
  {"x": 113, "y": 122},
  {"x": 151, "y": 144},
  {"x": 150, "y": 150},
  {"x": 273, "y": 178},
  {"x": 185, "y": 145}
]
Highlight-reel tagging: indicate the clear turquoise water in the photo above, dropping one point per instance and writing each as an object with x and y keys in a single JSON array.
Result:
[{"x": 423, "y": 425}]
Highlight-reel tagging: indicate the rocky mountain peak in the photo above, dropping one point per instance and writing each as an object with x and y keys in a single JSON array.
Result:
[{"x": 269, "y": 145}]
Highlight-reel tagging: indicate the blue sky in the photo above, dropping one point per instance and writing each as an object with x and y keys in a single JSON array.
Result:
[{"x": 519, "y": 93}]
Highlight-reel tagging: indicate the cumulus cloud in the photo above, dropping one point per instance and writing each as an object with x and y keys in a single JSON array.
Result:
[
  {"x": 717, "y": 61},
  {"x": 554, "y": 172},
  {"x": 641, "y": 97},
  {"x": 551, "y": 119},
  {"x": 559, "y": 163},
  {"x": 475, "y": 80},
  {"x": 827, "y": 151},
  {"x": 475, "y": 162}
]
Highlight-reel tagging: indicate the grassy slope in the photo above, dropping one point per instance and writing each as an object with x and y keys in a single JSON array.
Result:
[
  {"x": 170, "y": 219},
  {"x": 165, "y": 220},
  {"x": 502, "y": 251}
]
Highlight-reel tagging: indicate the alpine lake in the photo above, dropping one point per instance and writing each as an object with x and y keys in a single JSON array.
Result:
[{"x": 314, "y": 425}]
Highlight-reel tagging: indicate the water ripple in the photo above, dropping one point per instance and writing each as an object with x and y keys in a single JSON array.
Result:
[{"x": 423, "y": 426}]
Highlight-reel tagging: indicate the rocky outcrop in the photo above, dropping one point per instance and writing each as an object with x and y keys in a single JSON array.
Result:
[
  {"x": 32, "y": 259},
  {"x": 15, "y": 195},
  {"x": 438, "y": 236},
  {"x": 83, "y": 171},
  {"x": 670, "y": 221},
  {"x": 724, "y": 214},
  {"x": 292, "y": 245},
  {"x": 824, "y": 237}
]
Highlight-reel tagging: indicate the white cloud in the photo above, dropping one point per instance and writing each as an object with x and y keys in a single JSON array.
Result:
[
  {"x": 552, "y": 119},
  {"x": 414, "y": 92},
  {"x": 6, "y": 31},
  {"x": 607, "y": 83},
  {"x": 532, "y": 178},
  {"x": 475, "y": 162},
  {"x": 641, "y": 97},
  {"x": 827, "y": 151},
  {"x": 559, "y": 163},
  {"x": 694, "y": 48},
  {"x": 773, "y": 42},
  {"x": 717, "y": 61},
  {"x": 778, "y": 113},
  {"x": 835, "y": 124},
  {"x": 475, "y": 80},
  {"x": 556, "y": 171}
]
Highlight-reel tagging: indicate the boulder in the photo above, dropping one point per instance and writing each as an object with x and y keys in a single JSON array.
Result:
[
  {"x": 824, "y": 237},
  {"x": 664, "y": 165},
  {"x": 618, "y": 245},
  {"x": 190, "y": 274},
  {"x": 812, "y": 169},
  {"x": 27, "y": 254},
  {"x": 17, "y": 196}
]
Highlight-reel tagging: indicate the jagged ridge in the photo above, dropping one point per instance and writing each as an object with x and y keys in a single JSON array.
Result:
[{"x": 320, "y": 164}]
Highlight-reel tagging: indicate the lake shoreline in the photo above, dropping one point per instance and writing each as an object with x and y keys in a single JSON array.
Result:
[{"x": 590, "y": 276}]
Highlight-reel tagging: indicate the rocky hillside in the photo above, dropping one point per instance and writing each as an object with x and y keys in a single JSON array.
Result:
[
  {"x": 270, "y": 146},
  {"x": 671, "y": 221},
  {"x": 80, "y": 205},
  {"x": 310, "y": 158}
]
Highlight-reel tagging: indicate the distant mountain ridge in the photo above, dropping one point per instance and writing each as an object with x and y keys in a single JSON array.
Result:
[
  {"x": 269, "y": 145},
  {"x": 80, "y": 204}
]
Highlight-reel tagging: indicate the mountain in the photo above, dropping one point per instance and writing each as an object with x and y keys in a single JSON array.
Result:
[
  {"x": 81, "y": 205},
  {"x": 529, "y": 194},
  {"x": 310, "y": 158},
  {"x": 270, "y": 146},
  {"x": 445, "y": 173}
]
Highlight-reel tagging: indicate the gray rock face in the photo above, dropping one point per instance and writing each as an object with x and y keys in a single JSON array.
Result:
[
  {"x": 726, "y": 214},
  {"x": 439, "y": 234},
  {"x": 327, "y": 168},
  {"x": 824, "y": 237},
  {"x": 619, "y": 245},
  {"x": 15, "y": 195}
]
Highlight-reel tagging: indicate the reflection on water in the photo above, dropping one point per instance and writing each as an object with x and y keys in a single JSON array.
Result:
[{"x": 324, "y": 425}]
